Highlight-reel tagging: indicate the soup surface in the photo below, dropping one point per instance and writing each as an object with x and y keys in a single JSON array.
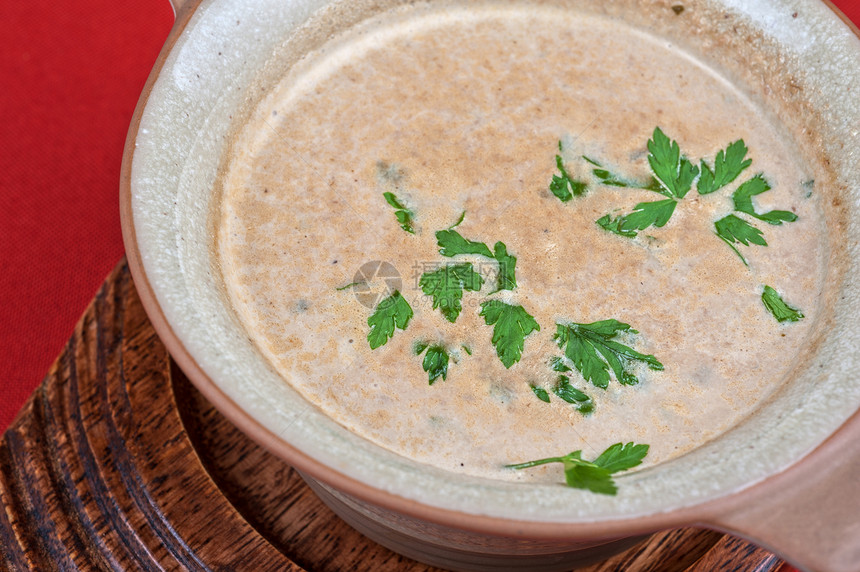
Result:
[{"x": 454, "y": 111}]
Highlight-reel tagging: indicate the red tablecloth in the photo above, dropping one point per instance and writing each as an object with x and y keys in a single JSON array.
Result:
[{"x": 70, "y": 76}]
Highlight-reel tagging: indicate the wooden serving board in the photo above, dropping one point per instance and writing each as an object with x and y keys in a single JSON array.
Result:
[{"x": 116, "y": 462}]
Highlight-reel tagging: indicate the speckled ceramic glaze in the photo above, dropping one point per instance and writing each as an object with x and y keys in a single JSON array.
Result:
[{"x": 786, "y": 476}]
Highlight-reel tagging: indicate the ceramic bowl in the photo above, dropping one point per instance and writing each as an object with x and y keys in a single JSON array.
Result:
[{"x": 786, "y": 477}]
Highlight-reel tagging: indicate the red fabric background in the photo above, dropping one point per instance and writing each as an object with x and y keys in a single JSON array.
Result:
[{"x": 70, "y": 75}]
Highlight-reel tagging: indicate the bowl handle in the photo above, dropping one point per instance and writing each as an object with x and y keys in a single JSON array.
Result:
[{"x": 810, "y": 513}]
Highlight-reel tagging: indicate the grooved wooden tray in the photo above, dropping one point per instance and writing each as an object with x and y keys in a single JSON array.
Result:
[{"x": 116, "y": 462}]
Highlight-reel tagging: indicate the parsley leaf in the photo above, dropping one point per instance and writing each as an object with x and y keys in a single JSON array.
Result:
[
  {"x": 459, "y": 220},
  {"x": 620, "y": 457},
  {"x": 608, "y": 177},
  {"x": 593, "y": 352},
  {"x": 451, "y": 244},
  {"x": 507, "y": 267},
  {"x": 446, "y": 286},
  {"x": 595, "y": 476},
  {"x": 777, "y": 306},
  {"x": 563, "y": 185},
  {"x": 675, "y": 172},
  {"x": 735, "y": 230},
  {"x": 569, "y": 393},
  {"x": 392, "y": 312},
  {"x": 557, "y": 364},
  {"x": 578, "y": 473},
  {"x": 581, "y": 474},
  {"x": 655, "y": 213},
  {"x": 540, "y": 393},
  {"x": 606, "y": 222},
  {"x": 435, "y": 361},
  {"x": 742, "y": 198},
  {"x": 403, "y": 214},
  {"x": 511, "y": 326},
  {"x": 727, "y": 166},
  {"x": 350, "y": 285},
  {"x": 654, "y": 185}
]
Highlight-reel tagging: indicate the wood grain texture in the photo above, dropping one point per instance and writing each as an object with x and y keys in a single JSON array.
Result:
[{"x": 116, "y": 462}]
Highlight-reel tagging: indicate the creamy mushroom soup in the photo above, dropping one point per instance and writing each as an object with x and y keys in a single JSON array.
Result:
[{"x": 456, "y": 111}]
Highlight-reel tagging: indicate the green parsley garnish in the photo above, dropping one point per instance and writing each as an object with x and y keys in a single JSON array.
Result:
[
  {"x": 459, "y": 220},
  {"x": 572, "y": 395},
  {"x": 742, "y": 198},
  {"x": 673, "y": 170},
  {"x": 435, "y": 361},
  {"x": 507, "y": 267},
  {"x": 565, "y": 390},
  {"x": 777, "y": 306},
  {"x": 351, "y": 285},
  {"x": 674, "y": 175},
  {"x": 656, "y": 213},
  {"x": 511, "y": 326},
  {"x": 392, "y": 312},
  {"x": 557, "y": 364},
  {"x": 608, "y": 177},
  {"x": 733, "y": 229},
  {"x": 403, "y": 214},
  {"x": 596, "y": 475},
  {"x": 540, "y": 393},
  {"x": 446, "y": 286},
  {"x": 727, "y": 166},
  {"x": 615, "y": 225},
  {"x": 736, "y": 230},
  {"x": 451, "y": 244},
  {"x": 563, "y": 185},
  {"x": 593, "y": 351}
]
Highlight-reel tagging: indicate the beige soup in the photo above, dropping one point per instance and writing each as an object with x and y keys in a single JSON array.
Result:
[{"x": 456, "y": 110}]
